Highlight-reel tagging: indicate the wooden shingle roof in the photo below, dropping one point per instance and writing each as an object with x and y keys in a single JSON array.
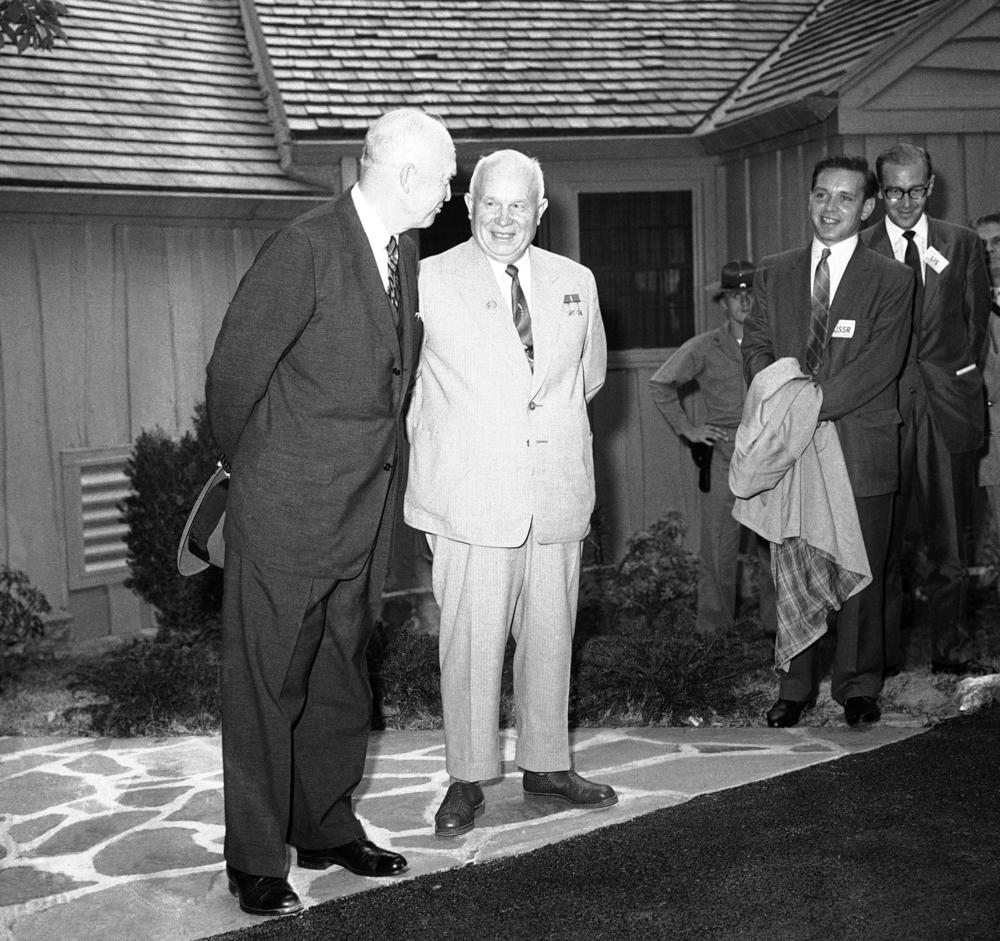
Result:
[
  {"x": 512, "y": 68},
  {"x": 160, "y": 94},
  {"x": 817, "y": 57}
]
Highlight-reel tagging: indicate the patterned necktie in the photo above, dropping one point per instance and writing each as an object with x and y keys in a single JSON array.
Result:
[
  {"x": 522, "y": 319},
  {"x": 912, "y": 259},
  {"x": 820, "y": 320},
  {"x": 393, "y": 291}
]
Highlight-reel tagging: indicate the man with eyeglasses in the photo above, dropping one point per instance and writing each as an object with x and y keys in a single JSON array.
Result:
[{"x": 940, "y": 401}]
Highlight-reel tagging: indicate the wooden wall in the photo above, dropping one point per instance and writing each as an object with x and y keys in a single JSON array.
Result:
[
  {"x": 643, "y": 468},
  {"x": 106, "y": 328},
  {"x": 768, "y": 185}
]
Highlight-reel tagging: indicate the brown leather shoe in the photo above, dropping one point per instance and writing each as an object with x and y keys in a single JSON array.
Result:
[
  {"x": 457, "y": 814},
  {"x": 362, "y": 857},
  {"x": 262, "y": 895},
  {"x": 570, "y": 787}
]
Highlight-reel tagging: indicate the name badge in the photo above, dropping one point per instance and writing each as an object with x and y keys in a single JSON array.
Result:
[
  {"x": 844, "y": 330},
  {"x": 935, "y": 259}
]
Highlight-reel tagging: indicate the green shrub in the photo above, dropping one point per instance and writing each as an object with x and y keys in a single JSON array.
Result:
[
  {"x": 163, "y": 687},
  {"x": 640, "y": 657},
  {"x": 166, "y": 477},
  {"x": 21, "y": 609},
  {"x": 657, "y": 574}
]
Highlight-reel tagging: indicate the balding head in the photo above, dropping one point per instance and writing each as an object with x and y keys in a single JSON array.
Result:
[
  {"x": 506, "y": 201},
  {"x": 406, "y": 168}
]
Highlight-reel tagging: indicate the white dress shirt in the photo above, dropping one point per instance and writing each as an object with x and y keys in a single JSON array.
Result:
[
  {"x": 899, "y": 242},
  {"x": 504, "y": 280},
  {"x": 378, "y": 234},
  {"x": 840, "y": 255}
]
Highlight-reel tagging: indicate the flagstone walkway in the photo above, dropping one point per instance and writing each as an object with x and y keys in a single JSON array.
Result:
[{"x": 120, "y": 840}]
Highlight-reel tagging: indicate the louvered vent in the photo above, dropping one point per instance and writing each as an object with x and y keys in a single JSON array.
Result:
[{"x": 94, "y": 484}]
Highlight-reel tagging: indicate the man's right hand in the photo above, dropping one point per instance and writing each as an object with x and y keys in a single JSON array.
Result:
[{"x": 706, "y": 434}]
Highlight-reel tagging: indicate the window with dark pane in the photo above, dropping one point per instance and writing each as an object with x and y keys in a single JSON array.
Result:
[{"x": 639, "y": 246}]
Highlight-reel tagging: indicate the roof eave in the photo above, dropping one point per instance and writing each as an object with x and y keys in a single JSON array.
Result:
[
  {"x": 764, "y": 125},
  {"x": 333, "y": 151},
  {"x": 71, "y": 201}
]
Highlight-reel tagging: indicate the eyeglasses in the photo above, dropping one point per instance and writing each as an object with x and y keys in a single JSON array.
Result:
[{"x": 894, "y": 194}]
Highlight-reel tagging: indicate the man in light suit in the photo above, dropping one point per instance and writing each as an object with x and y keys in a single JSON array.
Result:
[
  {"x": 307, "y": 391},
  {"x": 502, "y": 481},
  {"x": 940, "y": 400},
  {"x": 859, "y": 350}
]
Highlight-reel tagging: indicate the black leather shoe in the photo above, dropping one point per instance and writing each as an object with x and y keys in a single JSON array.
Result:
[
  {"x": 459, "y": 809},
  {"x": 263, "y": 895},
  {"x": 570, "y": 787},
  {"x": 786, "y": 712},
  {"x": 362, "y": 857},
  {"x": 966, "y": 668},
  {"x": 861, "y": 710}
]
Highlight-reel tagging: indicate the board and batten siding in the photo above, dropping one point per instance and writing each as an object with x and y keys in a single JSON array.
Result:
[
  {"x": 105, "y": 331},
  {"x": 768, "y": 189}
]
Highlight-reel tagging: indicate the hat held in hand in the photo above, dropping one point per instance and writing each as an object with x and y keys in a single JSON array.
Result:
[
  {"x": 736, "y": 276},
  {"x": 201, "y": 542}
]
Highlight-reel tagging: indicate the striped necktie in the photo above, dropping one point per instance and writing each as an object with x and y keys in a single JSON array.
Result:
[
  {"x": 819, "y": 322},
  {"x": 522, "y": 319},
  {"x": 393, "y": 290}
]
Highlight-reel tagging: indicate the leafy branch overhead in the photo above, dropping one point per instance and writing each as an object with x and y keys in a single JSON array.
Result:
[{"x": 31, "y": 23}]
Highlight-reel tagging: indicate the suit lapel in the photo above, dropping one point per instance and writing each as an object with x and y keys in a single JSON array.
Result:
[
  {"x": 843, "y": 300},
  {"x": 546, "y": 317},
  {"x": 801, "y": 290},
  {"x": 411, "y": 327},
  {"x": 880, "y": 240},
  {"x": 481, "y": 295},
  {"x": 374, "y": 298},
  {"x": 935, "y": 239}
]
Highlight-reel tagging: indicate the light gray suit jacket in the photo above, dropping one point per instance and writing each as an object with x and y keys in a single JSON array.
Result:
[{"x": 495, "y": 447}]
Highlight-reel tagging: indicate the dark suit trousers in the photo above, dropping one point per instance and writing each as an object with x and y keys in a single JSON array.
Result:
[
  {"x": 944, "y": 487},
  {"x": 296, "y": 707},
  {"x": 858, "y": 659}
]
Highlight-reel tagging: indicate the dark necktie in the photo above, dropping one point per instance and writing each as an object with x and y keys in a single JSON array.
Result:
[
  {"x": 912, "y": 259},
  {"x": 393, "y": 291},
  {"x": 522, "y": 319},
  {"x": 820, "y": 320}
]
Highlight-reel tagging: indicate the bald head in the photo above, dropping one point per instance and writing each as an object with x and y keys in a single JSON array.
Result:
[
  {"x": 506, "y": 201},
  {"x": 406, "y": 168}
]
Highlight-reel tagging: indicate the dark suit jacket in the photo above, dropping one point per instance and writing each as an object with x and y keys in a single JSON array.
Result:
[
  {"x": 949, "y": 330},
  {"x": 306, "y": 394},
  {"x": 858, "y": 373}
]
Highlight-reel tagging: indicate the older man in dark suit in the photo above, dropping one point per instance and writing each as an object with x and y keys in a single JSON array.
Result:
[
  {"x": 940, "y": 399},
  {"x": 307, "y": 390},
  {"x": 843, "y": 311}
]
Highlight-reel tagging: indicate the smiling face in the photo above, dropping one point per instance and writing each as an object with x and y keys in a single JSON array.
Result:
[
  {"x": 837, "y": 205},
  {"x": 907, "y": 209},
  {"x": 505, "y": 207}
]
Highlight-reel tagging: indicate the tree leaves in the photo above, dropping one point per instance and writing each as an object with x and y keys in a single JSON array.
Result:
[{"x": 31, "y": 23}]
